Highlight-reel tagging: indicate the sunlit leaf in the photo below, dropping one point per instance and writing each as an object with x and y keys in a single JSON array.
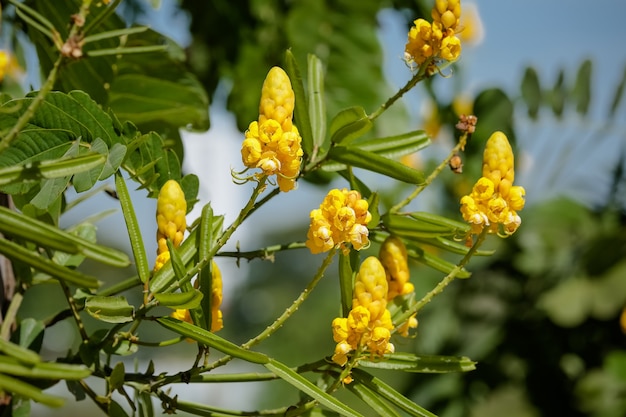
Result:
[
  {"x": 376, "y": 403},
  {"x": 348, "y": 125},
  {"x": 317, "y": 106},
  {"x": 301, "y": 110}
]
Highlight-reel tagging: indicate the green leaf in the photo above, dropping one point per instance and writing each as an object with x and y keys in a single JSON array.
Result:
[
  {"x": 114, "y": 309},
  {"x": 435, "y": 262},
  {"x": 384, "y": 390},
  {"x": 208, "y": 236},
  {"x": 422, "y": 225},
  {"x": 317, "y": 105},
  {"x": 210, "y": 339},
  {"x": 177, "y": 263},
  {"x": 345, "y": 283},
  {"x": 43, "y": 370},
  {"x": 429, "y": 364},
  {"x": 116, "y": 378},
  {"x": 558, "y": 95},
  {"x": 70, "y": 276},
  {"x": 180, "y": 300},
  {"x": 19, "y": 387},
  {"x": 298, "y": 381},
  {"x": 354, "y": 156},
  {"x": 375, "y": 402},
  {"x": 132, "y": 228},
  {"x": 494, "y": 110},
  {"x": 301, "y": 111},
  {"x": 391, "y": 147},
  {"x": 50, "y": 169},
  {"x": 18, "y": 352},
  {"x": 531, "y": 92},
  {"x": 619, "y": 93},
  {"x": 348, "y": 125},
  {"x": 582, "y": 87},
  {"x": 30, "y": 331}
]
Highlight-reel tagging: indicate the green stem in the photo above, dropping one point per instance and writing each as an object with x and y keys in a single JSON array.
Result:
[
  {"x": 445, "y": 281},
  {"x": 421, "y": 74},
  {"x": 32, "y": 108},
  {"x": 9, "y": 317},
  {"x": 294, "y": 306},
  {"x": 70, "y": 302},
  {"x": 421, "y": 187},
  {"x": 264, "y": 253}
]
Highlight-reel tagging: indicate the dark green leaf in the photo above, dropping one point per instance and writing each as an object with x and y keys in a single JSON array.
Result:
[
  {"x": 354, "y": 156},
  {"x": 114, "y": 309},
  {"x": 582, "y": 87},
  {"x": 435, "y": 262},
  {"x": 422, "y": 225},
  {"x": 531, "y": 92},
  {"x": 348, "y": 125},
  {"x": 116, "y": 378},
  {"x": 30, "y": 330}
]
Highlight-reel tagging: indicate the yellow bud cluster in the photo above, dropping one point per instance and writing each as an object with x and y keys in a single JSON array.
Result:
[
  {"x": 393, "y": 256},
  {"x": 216, "y": 298},
  {"x": 342, "y": 218},
  {"x": 437, "y": 39},
  {"x": 368, "y": 325},
  {"x": 494, "y": 200},
  {"x": 170, "y": 215},
  {"x": 273, "y": 143}
]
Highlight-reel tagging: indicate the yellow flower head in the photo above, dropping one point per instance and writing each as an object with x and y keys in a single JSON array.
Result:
[
  {"x": 437, "y": 39},
  {"x": 170, "y": 214},
  {"x": 494, "y": 200},
  {"x": 341, "y": 218},
  {"x": 273, "y": 143},
  {"x": 368, "y": 325}
]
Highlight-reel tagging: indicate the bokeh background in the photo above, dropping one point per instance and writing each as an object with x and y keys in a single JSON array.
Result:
[{"x": 541, "y": 316}]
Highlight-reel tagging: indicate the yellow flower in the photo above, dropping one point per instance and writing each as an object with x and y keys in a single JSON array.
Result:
[
  {"x": 341, "y": 218},
  {"x": 273, "y": 143},
  {"x": 170, "y": 214},
  {"x": 494, "y": 200},
  {"x": 182, "y": 315},
  {"x": 161, "y": 259},
  {"x": 437, "y": 39},
  {"x": 216, "y": 299},
  {"x": 393, "y": 257}
]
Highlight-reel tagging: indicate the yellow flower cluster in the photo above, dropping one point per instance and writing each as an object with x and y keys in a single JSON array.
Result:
[
  {"x": 393, "y": 257},
  {"x": 171, "y": 221},
  {"x": 494, "y": 200},
  {"x": 368, "y": 325},
  {"x": 342, "y": 218},
  {"x": 437, "y": 39},
  {"x": 273, "y": 143}
]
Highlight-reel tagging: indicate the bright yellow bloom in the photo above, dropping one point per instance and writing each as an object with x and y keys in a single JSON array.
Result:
[
  {"x": 161, "y": 259},
  {"x": 182, "y": 315},
  {"x": 437, "y": 39},
  {"x": 368, "y": 325},
  {"x": 494, "y": 200},
  {"x": 170, "y": 214},
  {"x": 273, "y": 143},
  {"x": 341, "y": 218}
]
